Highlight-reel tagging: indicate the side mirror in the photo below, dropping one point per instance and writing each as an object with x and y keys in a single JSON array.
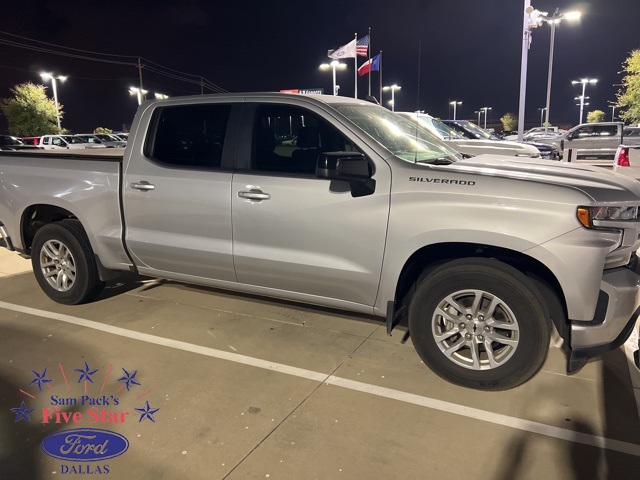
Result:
[{"x": 350, "y": 167}]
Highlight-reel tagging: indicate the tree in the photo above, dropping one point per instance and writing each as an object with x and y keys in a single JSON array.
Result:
[
  {"x": 629, "y": 95},
  {"x": 102, "y": 130},
  {"x": 30, "y": 112},
  {"x": 596, "y": 116},
  {"x": 509, "y": 121}
]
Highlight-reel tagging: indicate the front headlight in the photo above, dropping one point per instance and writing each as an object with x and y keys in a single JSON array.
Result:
[{"x": 587, "y": 215}]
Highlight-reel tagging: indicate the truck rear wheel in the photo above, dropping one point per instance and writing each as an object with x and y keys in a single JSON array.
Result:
[
  {"x": 480, "y": 323},
  {"x": 63, "y": 263}
]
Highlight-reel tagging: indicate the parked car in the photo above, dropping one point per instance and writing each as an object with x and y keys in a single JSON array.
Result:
[
  {"x": 120, "y": 136},
  {"x": 472, "y": 131},
  {"x": 9, "y": 142},
  {"x": 471, "y": 146},
  {"x": 102, "y": 139},
  {"x": 627, "y": 161},
  {"x": 630, "y": 132},
  {"x": 68, "y": 142},
  {"x": 369, "y": 213},
  {"x": 534, "y": 132},
  {"x": 34, "y": 141},
  {"x": 590, "y": 143}
]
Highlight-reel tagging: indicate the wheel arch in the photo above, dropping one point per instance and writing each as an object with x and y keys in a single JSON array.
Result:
[
  {"x": 38, "y": 215},
  {"x": 424, "y": 260}
]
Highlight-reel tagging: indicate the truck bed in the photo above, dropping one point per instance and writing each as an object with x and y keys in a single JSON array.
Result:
[{"x": 61, "y": 180}]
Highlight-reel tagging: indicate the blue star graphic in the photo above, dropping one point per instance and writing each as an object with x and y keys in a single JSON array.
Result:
[
  {"x": 147, "y": 412},
  {"x": 22, "y": 412},
  {"x": 85, "y": 374},
  {"x": 39, "y": 378},
  {"x": 129, "y": 378}
]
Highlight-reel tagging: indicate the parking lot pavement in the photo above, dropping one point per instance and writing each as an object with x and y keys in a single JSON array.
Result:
[{"x": 247, "y": 387}]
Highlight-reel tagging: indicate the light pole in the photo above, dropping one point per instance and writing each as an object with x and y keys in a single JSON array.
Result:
[
  {"x": 582, "y": 103},
  {"x": 455, "y": 103},
  {"x": 613, "y": 111},
  {"x": 542, "y": 110},
  {"x": 62, "y": 78},
  {"x": 393, "y": 89},
  {"x": 334, "y": 65},
  {"x": 554, "y": 20},
  {"x": 529, "y": 21},
  {"x": 584, "y": 82},
  {"x": 479, "y": 112},
  {"x": 139, "y": 92},
  {"x": 484, "y": 109}
]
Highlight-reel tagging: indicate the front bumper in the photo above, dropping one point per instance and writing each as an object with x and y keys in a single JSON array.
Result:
[{"x": 615, "y": 316}]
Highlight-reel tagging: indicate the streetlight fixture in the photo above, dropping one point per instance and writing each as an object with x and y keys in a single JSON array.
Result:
[
  {"x": 542, "y": 110},
  {"x": 48, "y": 76},
  {"x": 139, "y": 92},
  {"x": 532, "y": 18},
  {"x": 554, "y": 20},
  {"x": 161, "y": 96},
  {"x": 455, "y": 104},
  {"x": 393, "y": 89},
  {"x": 584, "y": 82},
  {"x": 485, "y": 109},
  {"x": 334, "y": 65}
]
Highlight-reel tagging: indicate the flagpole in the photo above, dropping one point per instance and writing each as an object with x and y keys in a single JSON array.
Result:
[
  {"x": 369, "y": 51},
  {"x": 355, "y": 64},
  {"x": 380, "y": 76}
]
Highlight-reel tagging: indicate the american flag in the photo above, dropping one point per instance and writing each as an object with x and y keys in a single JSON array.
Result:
[{"x": 362, "y": 46}]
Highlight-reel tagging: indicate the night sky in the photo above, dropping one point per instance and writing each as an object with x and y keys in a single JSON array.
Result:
[{"x": 471, "y": 51}]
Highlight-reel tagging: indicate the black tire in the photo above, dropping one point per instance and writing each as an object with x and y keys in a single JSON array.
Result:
[
  {"x": 70, "y": 280},
  {"x": 510, "y": 344}
]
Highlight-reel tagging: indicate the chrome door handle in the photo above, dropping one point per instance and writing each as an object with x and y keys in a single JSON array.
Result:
[
  {"x": 143, "y": 185},
  {"x": 254, "y": 194}
]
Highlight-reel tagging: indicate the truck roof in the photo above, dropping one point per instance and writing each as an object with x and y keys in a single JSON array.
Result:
[{"x": 327, "y": 99}]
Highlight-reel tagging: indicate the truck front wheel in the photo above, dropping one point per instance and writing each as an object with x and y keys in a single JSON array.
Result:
[
  {"x": 63, "y": 263},
  {"x": 480, "y": 323}
]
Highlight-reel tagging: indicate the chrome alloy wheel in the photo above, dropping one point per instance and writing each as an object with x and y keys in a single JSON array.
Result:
[
  {"x": 58, "y": 265},
  {"x": 475, "y": 329}
]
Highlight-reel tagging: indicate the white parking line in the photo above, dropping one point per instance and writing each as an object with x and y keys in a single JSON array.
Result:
[{"x": 432, "y": 403}]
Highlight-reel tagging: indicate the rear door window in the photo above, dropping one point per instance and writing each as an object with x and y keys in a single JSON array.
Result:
[{"x": 188, "y": 135}]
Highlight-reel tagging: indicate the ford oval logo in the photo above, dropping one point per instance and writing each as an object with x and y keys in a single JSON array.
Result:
[{"x": 84, "y": 445}]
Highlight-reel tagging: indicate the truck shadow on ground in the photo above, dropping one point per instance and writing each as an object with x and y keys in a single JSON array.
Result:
[{"x": 586, "y": 462}]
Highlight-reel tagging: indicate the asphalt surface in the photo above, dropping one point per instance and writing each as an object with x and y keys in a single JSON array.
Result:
[{"x": 234, "y": 386}]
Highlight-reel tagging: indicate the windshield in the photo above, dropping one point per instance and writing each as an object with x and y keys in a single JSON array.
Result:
[
  {"x": 445, "y": 130},
  {"x": 399, "y": 135},
  {"x": 478, "y": 132},
  {"x": 11, "y": 141}
]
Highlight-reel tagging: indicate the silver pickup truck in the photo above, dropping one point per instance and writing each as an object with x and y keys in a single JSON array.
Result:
[
  {"x": 339, "y": 202},
  {"x": 590, "y": 143}
]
